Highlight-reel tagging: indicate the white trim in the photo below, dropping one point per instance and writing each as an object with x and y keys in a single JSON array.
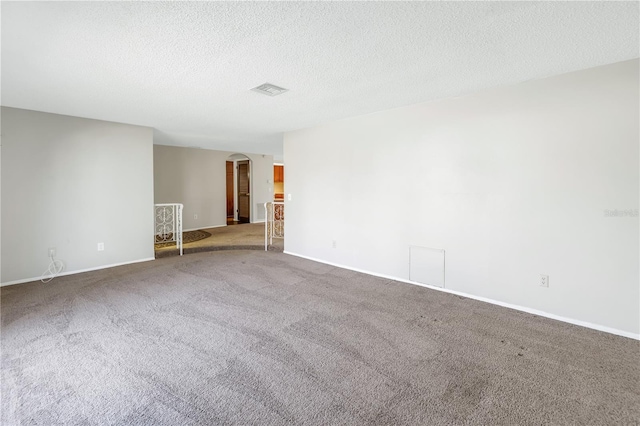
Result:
[
  {"x": 201, "y": 228},
  {"x": 483, "y": 299},
  {"x": 28, "y": 280},
  {"x": 259, "y": 221}
]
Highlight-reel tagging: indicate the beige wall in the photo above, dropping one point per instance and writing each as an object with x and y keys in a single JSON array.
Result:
[
  {"x": 197, "y": 179},
  {"x": 70, "y": 183},
  {"x": 512, "y": 183}
]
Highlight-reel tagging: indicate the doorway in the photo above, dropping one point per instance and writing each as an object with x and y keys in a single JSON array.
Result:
[
  {"x": 238, "y": 189},
  {"x": 244, "y": 195},
  {"x": 230, "y": 204}
]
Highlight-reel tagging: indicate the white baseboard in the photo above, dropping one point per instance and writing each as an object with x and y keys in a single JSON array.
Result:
[
  {"x": 483, "y": 299},
  {"x": 79, "y": 271},
  {"x": 259, "y": 221}
]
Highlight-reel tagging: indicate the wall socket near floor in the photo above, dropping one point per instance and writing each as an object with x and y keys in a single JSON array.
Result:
[
  {"x": 100, "y": 246},
  {"x": 544, "y": 280},
  {"x": 195, "y": 216},
  {"x": 334, "y": 244},
  {"x": 52, "y": 252}
]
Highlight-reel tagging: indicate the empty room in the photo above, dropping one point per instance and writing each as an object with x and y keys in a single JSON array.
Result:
[{"x": 320, "y": 213}]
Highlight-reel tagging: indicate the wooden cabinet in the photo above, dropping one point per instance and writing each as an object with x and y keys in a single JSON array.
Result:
[{"x": 278, "y": 173}]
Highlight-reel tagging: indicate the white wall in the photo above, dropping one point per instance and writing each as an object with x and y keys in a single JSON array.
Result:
[
  {"x": 70, "y": 183},
  {"x": 512, "y": 183},
  {"x": 197, "y": 178},
  {"x": 261, "y": 184}
]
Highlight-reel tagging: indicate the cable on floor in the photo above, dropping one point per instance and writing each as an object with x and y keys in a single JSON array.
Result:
[{"x": 54, "y": 269}]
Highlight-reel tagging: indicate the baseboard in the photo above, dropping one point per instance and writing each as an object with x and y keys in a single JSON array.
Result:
[
  {"x": 482, "y": 299},
  {"x": 259, "y": 221},
  {"x": 203, "y": 227},
  {"x": 62, "y": 274}
]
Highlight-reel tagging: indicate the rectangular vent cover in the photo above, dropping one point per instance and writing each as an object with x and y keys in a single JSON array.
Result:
[{"x": 269, "y": 89}]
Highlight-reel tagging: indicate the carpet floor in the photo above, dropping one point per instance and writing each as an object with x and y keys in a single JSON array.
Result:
[
  {"x": 264, "y": 338},
  {"x": 187, "y": 238},
  {"x": 246, "y": 236}
]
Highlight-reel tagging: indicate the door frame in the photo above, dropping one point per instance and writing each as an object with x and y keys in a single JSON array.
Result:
[
  {"x": 237, "y": 157},
  {"x": 232, "y": 187},
  {"x": 250, "y": 179},
  {"x": 235, "y": 190}
]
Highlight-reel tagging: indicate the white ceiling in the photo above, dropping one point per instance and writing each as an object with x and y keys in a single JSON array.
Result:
[{"x": 186, "y": 68}]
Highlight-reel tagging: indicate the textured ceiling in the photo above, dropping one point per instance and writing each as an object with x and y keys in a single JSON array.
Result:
[{"x": 185, "y": 68}]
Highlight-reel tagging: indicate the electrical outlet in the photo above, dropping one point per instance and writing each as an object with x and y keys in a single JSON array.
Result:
[
  {"x": 100, "y": 246},
  {"x": 334, "y": 244},
  {"x": 544, "y": 280},
  {"x": 195, "y": 216},
  {"x": 52, "y": 252}
]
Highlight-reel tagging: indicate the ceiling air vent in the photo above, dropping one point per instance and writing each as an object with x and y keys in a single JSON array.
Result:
[{"x": 269, "y": 89}]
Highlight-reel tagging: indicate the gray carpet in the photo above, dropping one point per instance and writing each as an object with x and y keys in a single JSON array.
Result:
[{"x": 263, "y": 338}]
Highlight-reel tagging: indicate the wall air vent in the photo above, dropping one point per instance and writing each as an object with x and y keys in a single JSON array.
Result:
[{"x": 269, "y": 89}]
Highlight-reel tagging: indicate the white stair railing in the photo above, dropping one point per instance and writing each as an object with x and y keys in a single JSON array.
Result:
[
  {"x": 168, "y": 224},
  {"x": 274, "y": 223}
]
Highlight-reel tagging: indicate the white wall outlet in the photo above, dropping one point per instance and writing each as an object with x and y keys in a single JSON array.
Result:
[
  {"x": 544, "y": 280},
  {"x": 334, "y": 244},
  {"x": 100, "y": 246},
  {"x": 289, "y": 197},
  {"x": 195, "y": 216},
  {"x": 52, "y": 252}
]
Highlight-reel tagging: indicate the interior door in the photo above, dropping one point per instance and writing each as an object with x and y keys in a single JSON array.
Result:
[
  {"x": 244, "y": 197},
  {"x": 230, "y": 189}
]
